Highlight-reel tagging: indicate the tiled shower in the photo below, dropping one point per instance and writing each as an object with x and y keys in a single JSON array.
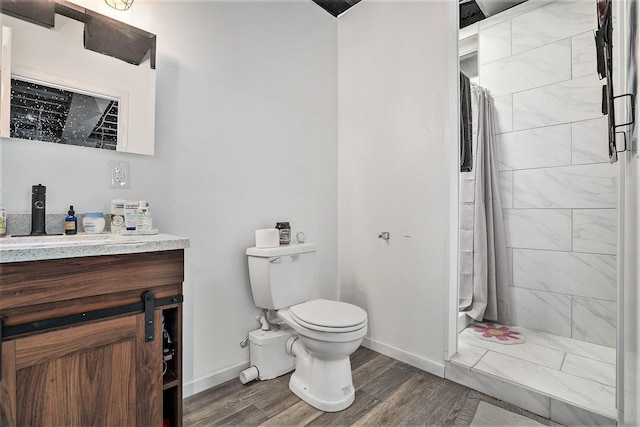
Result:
[
  {"x": 559, "y": 198},
  {"x": 558, "y": 188}
]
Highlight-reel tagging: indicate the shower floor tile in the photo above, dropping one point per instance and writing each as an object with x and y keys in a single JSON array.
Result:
[
  {"x": 565, "y": 370},
  {"x": 536, "y": 353},
  {"x": 600, "y": 372},
  {"x": 565, "y": 387}
]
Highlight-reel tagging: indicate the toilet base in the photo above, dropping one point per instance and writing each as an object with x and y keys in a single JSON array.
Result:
[
  {"x": 324, "y": 384},
  {"x": 300, "y": 390}
]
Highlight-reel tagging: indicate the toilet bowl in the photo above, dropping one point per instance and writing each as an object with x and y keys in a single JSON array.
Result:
[{"x": 326, "y": 333}]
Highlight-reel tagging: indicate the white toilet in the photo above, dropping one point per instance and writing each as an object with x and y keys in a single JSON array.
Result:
[{"x": 325, "y": 332}]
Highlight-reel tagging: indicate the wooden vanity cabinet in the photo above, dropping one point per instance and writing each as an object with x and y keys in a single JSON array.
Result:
[{"x": 103, "y": 371}]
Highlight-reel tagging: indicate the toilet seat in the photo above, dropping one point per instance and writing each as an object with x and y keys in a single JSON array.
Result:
[
  {"x": 329, "y": 316},
  {"x": 333, "y": 335}
]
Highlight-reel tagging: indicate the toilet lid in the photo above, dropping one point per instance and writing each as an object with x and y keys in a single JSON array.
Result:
[{"x": 324, "y": 315}]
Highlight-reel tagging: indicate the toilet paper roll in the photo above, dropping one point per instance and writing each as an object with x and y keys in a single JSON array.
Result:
[{"x": 267, "y": 238}]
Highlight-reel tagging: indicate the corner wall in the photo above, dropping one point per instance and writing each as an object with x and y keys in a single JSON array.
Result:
[
  {"x": 393, "y": 60},
  {"x": 628, "y": 349},
  {"x": 246, "y": 135}
]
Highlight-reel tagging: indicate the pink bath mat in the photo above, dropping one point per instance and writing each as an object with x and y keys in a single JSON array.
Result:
[{"x": 496, "y": 333}]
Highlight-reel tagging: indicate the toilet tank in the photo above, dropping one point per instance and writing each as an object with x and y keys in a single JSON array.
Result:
[{"x": 282, "y": 276}]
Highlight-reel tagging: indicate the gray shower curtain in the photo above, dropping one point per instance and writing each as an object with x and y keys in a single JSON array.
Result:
[{"x": 484, "y": 281}]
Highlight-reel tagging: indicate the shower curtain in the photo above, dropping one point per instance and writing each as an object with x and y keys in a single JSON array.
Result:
[{"x": 484, "y": 282}]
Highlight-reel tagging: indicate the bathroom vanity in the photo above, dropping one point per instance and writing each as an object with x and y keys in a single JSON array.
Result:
[{"x": 82, "y": 334}]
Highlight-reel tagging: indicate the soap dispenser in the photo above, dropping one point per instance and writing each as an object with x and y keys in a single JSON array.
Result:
[{"x": 71, "y": 222}]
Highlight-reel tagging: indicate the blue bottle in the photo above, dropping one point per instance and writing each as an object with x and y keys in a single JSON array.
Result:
[{"x": 71, "y": 222}]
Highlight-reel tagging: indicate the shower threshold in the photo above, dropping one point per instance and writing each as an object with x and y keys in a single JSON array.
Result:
[{"x": 567, "y": 380}]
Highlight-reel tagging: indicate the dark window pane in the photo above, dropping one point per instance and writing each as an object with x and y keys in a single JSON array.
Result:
[{"x": 45, "y": 113}]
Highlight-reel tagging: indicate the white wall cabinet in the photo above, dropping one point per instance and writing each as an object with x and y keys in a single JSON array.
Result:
[{"x": 56, "y": 57}]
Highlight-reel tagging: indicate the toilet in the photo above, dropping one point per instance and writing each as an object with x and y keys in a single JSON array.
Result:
[{"x": 323, "y": 333}]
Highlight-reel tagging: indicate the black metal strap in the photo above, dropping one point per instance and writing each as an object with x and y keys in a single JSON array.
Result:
[
  {"x": 10, "y": 331},
  {"x": 633, "y": 109},
  {"x": 149, "y": 301}
]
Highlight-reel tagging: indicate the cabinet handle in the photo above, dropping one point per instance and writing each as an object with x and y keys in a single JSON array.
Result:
[{"x": 149, "y": 299}]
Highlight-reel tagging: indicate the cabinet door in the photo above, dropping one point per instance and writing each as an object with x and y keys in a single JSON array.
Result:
[{"x": 101, "y": 373}]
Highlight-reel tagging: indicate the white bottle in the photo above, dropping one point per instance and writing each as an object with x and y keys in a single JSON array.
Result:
[
  {"x": 142, "y": 210},
  {"x": 144, "y": 222},
  {"x": 130, "y": 215},
  {"x": 3, "y": 222},
  {"x": 147, "y": 221}
]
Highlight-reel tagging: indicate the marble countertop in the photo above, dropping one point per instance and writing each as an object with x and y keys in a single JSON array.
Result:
[{"x": 35, "y": 248}]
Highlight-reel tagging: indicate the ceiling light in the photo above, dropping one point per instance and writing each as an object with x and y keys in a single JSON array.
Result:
[{"x": 119, "y": 4}]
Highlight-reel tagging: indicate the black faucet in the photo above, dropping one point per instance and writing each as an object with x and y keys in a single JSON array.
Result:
[{"x": 38, "y": 203}]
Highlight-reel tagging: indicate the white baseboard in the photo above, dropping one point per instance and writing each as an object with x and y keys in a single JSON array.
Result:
[
  {"x": 431, "y": 366},
  {"x": 213, "y": 379}
]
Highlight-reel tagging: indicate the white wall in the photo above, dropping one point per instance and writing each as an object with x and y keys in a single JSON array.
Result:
[
  {"x": 246, "y": 135},
  {"x": 559, "y": 190},
  {"x": 394, "y": 172}
]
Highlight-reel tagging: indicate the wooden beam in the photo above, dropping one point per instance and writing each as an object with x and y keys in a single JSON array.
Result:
[
  {"x": 114, "y": 38},
  {"x": 40, "y": 12},
  {"x": 101, "y": 34}
]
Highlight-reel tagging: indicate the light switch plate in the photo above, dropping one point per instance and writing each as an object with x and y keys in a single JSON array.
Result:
[{"x": 119, "y": 173}]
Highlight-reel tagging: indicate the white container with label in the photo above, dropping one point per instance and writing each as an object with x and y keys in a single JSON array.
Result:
[{"x": 93, "y": 222}]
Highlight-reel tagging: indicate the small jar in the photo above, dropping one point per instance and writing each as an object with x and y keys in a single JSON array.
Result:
[
  {"x": 285, "y": 232},
  {"x": 93, "y": 222}
]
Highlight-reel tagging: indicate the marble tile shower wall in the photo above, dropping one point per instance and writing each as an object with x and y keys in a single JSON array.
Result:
[{"x": 558, "y": 188}]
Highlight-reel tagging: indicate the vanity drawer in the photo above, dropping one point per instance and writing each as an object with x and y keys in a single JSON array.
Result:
[{"x": 33, "y": 283}]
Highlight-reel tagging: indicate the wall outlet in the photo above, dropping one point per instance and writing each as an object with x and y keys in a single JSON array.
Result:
[{"x": 119, "y": 173}]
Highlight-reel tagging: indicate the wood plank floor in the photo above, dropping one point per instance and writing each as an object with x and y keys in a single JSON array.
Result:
[{"x": 388, "y": 392}]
